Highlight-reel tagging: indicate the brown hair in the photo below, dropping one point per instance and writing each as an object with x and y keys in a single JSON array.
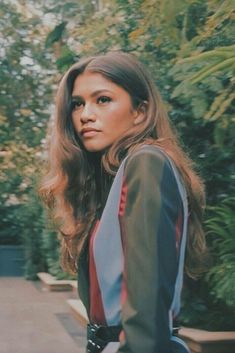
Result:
[{"x": 71, "y": 186}]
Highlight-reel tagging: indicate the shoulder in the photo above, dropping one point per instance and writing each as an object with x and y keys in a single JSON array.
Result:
[
  {"x": 150, "y": 165},
  {"x": 146, "y": 158}
]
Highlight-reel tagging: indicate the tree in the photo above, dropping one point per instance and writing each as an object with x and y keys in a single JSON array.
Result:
[{"x": 188, "y": 47}]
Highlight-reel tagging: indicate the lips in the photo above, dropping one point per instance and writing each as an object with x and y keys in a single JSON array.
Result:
[{"x": 89, "y": 132}]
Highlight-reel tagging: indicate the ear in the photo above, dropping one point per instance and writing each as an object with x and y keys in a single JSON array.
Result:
[{"x": 140, "y": 113}]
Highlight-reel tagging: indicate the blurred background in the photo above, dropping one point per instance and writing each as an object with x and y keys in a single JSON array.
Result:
[{"x": 188, "y": 45}]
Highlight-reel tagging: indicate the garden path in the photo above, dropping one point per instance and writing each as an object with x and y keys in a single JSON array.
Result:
[{"x": 33, "y": 320}]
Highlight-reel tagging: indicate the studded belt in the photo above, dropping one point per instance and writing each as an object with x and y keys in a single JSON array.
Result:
[{"x": 99, "y": 336}]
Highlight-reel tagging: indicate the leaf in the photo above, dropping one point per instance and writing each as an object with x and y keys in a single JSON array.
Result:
[
  {"x": 220, "y": 104},
  {"x": 214, "y": 84},
  {"x": 56, "y": 34},
  {"x": 217, "y": 67},
  {"x": 199, "y": 106},
  {"x": 185, "y": 89},
  {"x": 25, "y": 112},
  {"x": 220, "y": 14},
  {"x": 134, "y": 35},
  {"x": 223, "y": 107},
  {"x": 218, "y": 53}
]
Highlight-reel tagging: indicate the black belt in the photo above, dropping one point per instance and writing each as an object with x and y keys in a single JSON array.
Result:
[{"x": 99, "y": 336}]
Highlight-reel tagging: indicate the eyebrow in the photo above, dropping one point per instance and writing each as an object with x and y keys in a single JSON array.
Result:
[{"x": 94, "y": 94}]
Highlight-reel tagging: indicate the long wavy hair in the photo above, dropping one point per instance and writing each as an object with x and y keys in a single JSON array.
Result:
[{"x": 77, "y": 181}]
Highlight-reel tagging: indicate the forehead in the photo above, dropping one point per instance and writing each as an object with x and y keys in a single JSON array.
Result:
[{"x": 89, "y": 82}]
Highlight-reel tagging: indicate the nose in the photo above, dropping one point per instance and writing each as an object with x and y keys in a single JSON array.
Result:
[{"x": 87, "y": 114}]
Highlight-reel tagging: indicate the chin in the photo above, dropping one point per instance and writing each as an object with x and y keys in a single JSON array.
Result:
[
  {"x": 93, "y": 145},
  {"x": 92, "y": 148}
]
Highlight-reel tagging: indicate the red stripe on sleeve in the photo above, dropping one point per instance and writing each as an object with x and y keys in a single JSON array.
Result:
[
  {"x": 178, "y": 230},
  {"x": 123, "y": 199},
  {"x": 96, "y": 305},
  {"x": 121, "y": 213}
]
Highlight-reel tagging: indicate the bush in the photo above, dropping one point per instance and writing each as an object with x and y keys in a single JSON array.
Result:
[
  {"x": 221, "y": 240},
  {"x": 41, "y": 243},
  {"x": 210, "y": 303}
]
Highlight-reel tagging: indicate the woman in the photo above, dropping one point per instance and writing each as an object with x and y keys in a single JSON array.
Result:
[{"x": 125, "y": 198}]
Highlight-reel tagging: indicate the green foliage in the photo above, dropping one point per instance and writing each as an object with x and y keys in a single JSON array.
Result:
[
  {"x": 200, "y": 309},
  {"x": 10, "y": 230},
  {"x": 51, "y": 249},
  {"x": 220, "y": 227},
  {"x": 32, "y": 225},
  {"x": 189, "y": 48},
  {"x": 219, "y": 62},
  {"x": 55, "y": 35},
  {"x": 65, "y": 60},
  {"x": 40, "y": 241},
  {"x": 50, "y": 246},
  {"x": 210, "y": 303},
  {"x": 205, "y": 68}
]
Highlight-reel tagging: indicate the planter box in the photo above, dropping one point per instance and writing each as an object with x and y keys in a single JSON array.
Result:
[
  {"x": 200, "y": 341},
  {"x": 52, "y": 284},
  {"x": 12, "y": 260},
  {"x": 79, "y": 311}
]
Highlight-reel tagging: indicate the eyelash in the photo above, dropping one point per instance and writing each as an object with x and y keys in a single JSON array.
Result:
[
  {"x": 100, "y": 100},
  {"x": 106, "y": 99},
  {"x": 76, "y": 105}
]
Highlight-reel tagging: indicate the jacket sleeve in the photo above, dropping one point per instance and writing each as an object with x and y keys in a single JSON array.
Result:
[{"x": 150, "y": 219}]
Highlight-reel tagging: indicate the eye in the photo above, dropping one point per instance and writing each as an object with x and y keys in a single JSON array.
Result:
[
  {"x": 76, "y": 104},
  {"x": 103, "y": 99}
]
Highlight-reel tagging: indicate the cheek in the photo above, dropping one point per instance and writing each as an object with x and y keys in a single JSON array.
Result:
[
  {"x": 76, "y": 123},
  {"x": 121, "y": 114}
]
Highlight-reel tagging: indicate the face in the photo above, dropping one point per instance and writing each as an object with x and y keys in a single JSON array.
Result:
[{"x": 102, "y": 111}]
